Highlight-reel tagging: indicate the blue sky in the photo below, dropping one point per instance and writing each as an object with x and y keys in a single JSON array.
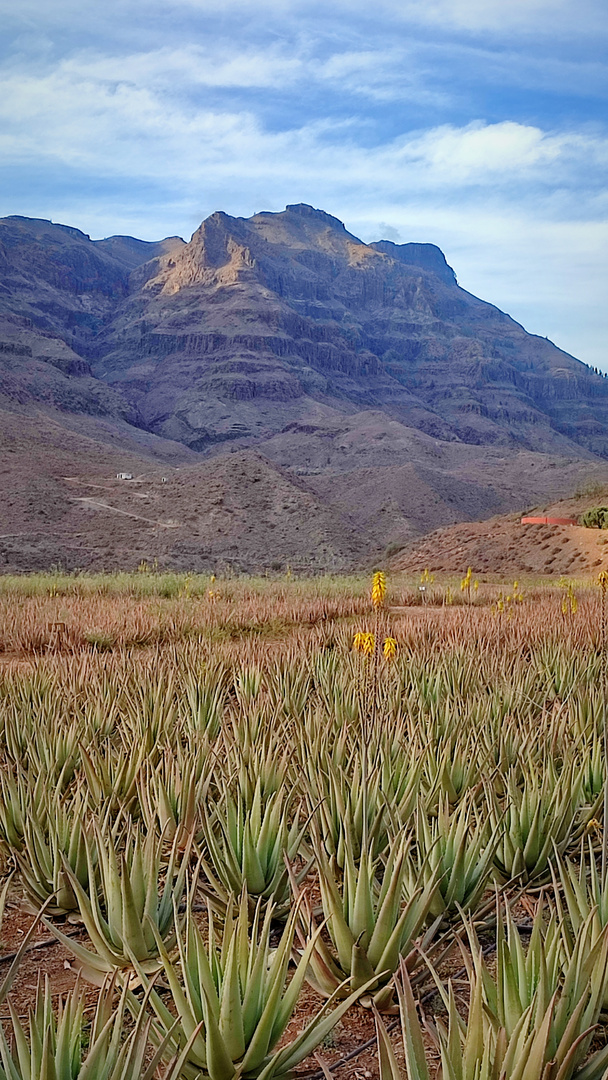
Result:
[{"x": 478, "y": 125}]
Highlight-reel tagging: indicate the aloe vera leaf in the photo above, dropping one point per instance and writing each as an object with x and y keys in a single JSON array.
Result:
[
  {"x": 230, "y": 1022},
  {"x": 413, "y": 1045},
  {"x": 387, "y": 1062}
]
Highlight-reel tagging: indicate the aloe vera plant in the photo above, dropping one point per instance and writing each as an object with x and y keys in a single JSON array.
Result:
[
  {"x": 401, "y": 778},
  {"x": 110, "y": 775},
  {"x": 52, "y": 836},
  {"x": 131, "y": 912},
  {"x": 452, "y": 769},
  {"x": 457, "y": 849},
  {"x": 289, "y": 687},
  {"x": 370, "y": 921},
  {"x": 347, "y": 807},
  {"x": 540, "y": 817},
  {"x": 150, "y": 714},
  {"x": 585, "y": 897},
  {"x": 572, "y": 978},
  {"x": 15, "y": 797},
  {"x": 206, "y": 701},
  {"x": 233, "y": 1003},
  {"x": 60, "y": 1047},
  {"x": 169, "y": 795},
  {"x": 246, "y": 846},
  {"x": 532, "y": 1021}
]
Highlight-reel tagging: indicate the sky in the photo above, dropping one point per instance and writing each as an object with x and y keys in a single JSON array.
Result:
[{"x": 477, "y": 125}]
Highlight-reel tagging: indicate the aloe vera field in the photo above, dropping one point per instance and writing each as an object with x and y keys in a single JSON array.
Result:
[{"x": 331, "y": 827}]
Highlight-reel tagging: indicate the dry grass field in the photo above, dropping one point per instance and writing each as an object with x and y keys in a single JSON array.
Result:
[{"x": 302, "y": 827}]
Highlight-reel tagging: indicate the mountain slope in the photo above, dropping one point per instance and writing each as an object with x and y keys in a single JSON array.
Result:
[
  {"x": 62, "y": 505},
  {"x": 503, "y": 546}
]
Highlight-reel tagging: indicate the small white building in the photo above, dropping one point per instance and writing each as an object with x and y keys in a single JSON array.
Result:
[{"x": 124, "y": 476}]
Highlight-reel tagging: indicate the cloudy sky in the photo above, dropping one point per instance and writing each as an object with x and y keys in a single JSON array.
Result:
[{"x": 477, "y": 125}]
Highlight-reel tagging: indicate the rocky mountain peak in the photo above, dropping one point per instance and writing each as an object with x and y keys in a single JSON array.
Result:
[
  {"x": 427, "y": 256},
  {"x": 259, "y": 323},
  {"x": 320, "y": 216}
]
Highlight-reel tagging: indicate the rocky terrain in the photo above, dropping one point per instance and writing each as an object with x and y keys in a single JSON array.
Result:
[{"x": 310, "y": 399}]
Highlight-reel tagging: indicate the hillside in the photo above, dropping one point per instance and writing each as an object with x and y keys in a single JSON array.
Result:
[
  {"x": 62, "y": 505},
  {"x": 503, "y": 546}
]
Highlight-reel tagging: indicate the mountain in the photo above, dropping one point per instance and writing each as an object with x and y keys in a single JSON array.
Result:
[
  {"x": 284, "y": 318},
  {"x": 361, "y": 377}
]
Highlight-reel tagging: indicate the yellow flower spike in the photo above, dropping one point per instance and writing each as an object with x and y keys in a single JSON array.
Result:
[
  {"x": 378, "y": 588},
  {"x": 389, "y": 648},
  {"x": 364, "y": 642},
  {"x": 602, "y": 580},
  {"x": 476, "y": 585}
]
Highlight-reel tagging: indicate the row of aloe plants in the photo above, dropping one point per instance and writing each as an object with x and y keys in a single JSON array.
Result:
[{"x": 230, "y": 998}]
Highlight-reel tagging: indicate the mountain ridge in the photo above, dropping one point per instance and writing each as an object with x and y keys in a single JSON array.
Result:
[{"x": 357, "y": 368}]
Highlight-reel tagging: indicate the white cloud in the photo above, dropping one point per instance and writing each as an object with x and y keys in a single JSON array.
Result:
[
  {"x": 469, "y": 154},
  {"x": 127, "y": 120},
  {"x": 188, "y": 66}
]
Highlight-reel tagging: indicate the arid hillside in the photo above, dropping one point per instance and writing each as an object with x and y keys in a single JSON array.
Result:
[
  {"x": 503, "y": 546},
  {"x": 62, "y": 504}
]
